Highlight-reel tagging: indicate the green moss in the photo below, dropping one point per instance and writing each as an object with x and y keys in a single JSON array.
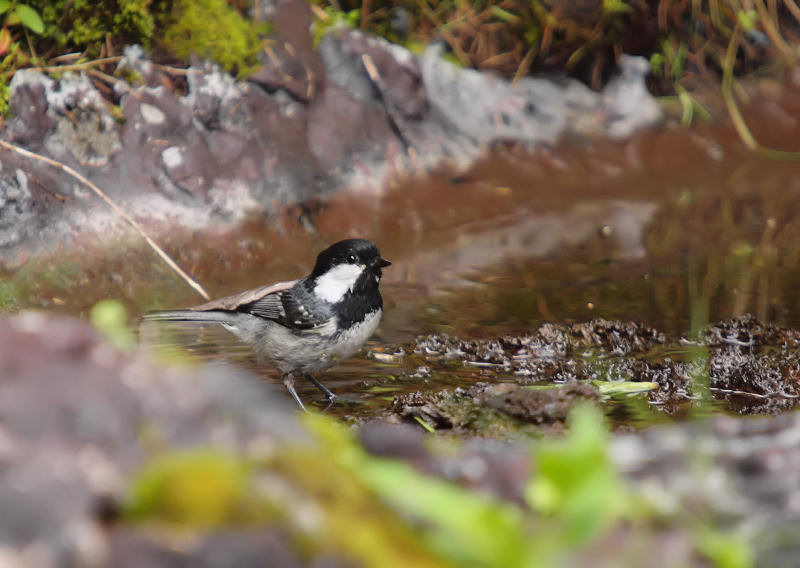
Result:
[
  {"x": 213, "y": 29},
  {"x": 88, "y": 23},
  {"x": 208, "y": 28},
  {"x": 333, "y": 19}
]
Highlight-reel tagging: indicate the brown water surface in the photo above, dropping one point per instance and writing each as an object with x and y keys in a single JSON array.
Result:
[{"x": 673, "y": 228}]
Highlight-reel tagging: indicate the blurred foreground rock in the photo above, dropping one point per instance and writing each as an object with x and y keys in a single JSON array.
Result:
[{"x": 79, "y": 419}]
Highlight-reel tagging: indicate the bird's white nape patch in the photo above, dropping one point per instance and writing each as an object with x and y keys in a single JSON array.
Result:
[{"x": 334, "y": 284}]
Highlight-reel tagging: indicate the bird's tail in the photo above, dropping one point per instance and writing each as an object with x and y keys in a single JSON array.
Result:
[{"x": 189, "y": 315}]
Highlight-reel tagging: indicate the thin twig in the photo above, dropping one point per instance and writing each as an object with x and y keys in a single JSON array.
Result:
[
  {"x": 525, "y": 64},
  {"x": 177, "y": 70},
  {"x": 132, "y": 222},
  {"x": 792, "y": 7},
  {"x": 443, "y": 29},
  {"x": 114, "y": 81},
  {"x": 67, "y": 57},
  {"x": 770, "y": 28},
  {"x": 79, "y": 66}
]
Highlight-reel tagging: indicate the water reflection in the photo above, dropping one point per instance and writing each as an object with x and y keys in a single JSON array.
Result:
[{"x": 672, "y": 228}]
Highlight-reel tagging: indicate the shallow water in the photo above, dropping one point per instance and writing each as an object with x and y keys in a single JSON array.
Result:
[{"x": 673, "y": 228}]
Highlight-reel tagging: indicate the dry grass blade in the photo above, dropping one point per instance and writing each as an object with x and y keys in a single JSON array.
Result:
[
  {"x": 525, "y": 65},
  {"x": 770, "y": 27},
  {"x": 449, "y": 37},
  {"x": 117, "y": 209},
  {"x": 79, "y": 66},
  {"x": 793, "y": 8}
]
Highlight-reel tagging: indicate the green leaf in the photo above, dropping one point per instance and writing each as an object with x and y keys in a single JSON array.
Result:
[
  {"x": 616, "y": 7},
  {"x": 577, "y": 485},
  {"x": 747, "y": 19},
  {"x": 467, "y": 528},
  {"x": 624, "y": 387},
  {"x": 504, "y": 15},
  {"x": 723, "y": 549},
  {"x": 4, "y": 6},
  {"x": 428, "y": 427},
  {"x": 29, "y": 18}
]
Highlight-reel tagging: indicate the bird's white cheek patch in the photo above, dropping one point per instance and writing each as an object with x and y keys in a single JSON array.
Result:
[{"x": 334, "y": 284}]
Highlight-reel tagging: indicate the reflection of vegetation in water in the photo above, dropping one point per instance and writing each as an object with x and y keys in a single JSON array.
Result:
[
  {"x": 7, "y": 295},
  {"x": 331, "y": 495},
  {"x": 741, "y": 219}
]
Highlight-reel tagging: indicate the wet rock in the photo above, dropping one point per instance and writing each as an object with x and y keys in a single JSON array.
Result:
[
  {"x": 215, "y": 150},
  {"x": 538, "y": 406},
  {"x": 18, "y": 209},
  {"x": 498, "y": 410},
  {"x": 747, "y": 331},
  {"x": 392, "y": 440}
]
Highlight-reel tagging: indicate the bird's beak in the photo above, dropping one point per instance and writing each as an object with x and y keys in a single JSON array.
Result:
[{"x": 380, "y": 263}]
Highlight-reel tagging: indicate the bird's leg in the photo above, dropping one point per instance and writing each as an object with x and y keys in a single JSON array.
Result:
[
  {"x": 330, "y": 396},
  {"x": 288, "y": 381}
]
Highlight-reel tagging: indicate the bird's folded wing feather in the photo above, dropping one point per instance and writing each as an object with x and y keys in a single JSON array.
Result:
[
  {"x": 273, "y": 302},
  {"x": 247, "y": 297},
  {"x": 283, "y": 307}
]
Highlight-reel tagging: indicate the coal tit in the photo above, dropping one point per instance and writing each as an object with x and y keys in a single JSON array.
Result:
[{"x": 307, "y": 325}]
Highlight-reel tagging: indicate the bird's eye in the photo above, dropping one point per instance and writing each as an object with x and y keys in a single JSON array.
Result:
[{"x": 351, "y": 258}]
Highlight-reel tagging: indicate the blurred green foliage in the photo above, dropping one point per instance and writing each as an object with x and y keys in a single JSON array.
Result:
[
  {"x": 463, "y": 527},
  {"x": 7, "y": 295},
  {"x": 384, "y": 512},
  {"x": 196, "y": 488},
  {"x": 575, "y": 482},
  {"x": 110, "y": 318}
]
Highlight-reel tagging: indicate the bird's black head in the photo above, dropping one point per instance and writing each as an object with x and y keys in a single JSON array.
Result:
[{"x": 360, "y": 252}]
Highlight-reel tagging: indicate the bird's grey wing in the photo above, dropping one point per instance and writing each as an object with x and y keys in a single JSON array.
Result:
[
  {"x": 237, "y": 301},
  {"x": 285, "y": 308}
]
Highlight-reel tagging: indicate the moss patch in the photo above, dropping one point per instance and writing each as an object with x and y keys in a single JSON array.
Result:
[{"x": 213, "y": 29}]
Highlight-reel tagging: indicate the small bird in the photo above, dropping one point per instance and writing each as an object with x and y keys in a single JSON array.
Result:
[{"x": 307, "y": 325}]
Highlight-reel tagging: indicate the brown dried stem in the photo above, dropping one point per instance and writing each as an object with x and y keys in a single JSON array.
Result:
[{"x": 117, "y": 209}]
